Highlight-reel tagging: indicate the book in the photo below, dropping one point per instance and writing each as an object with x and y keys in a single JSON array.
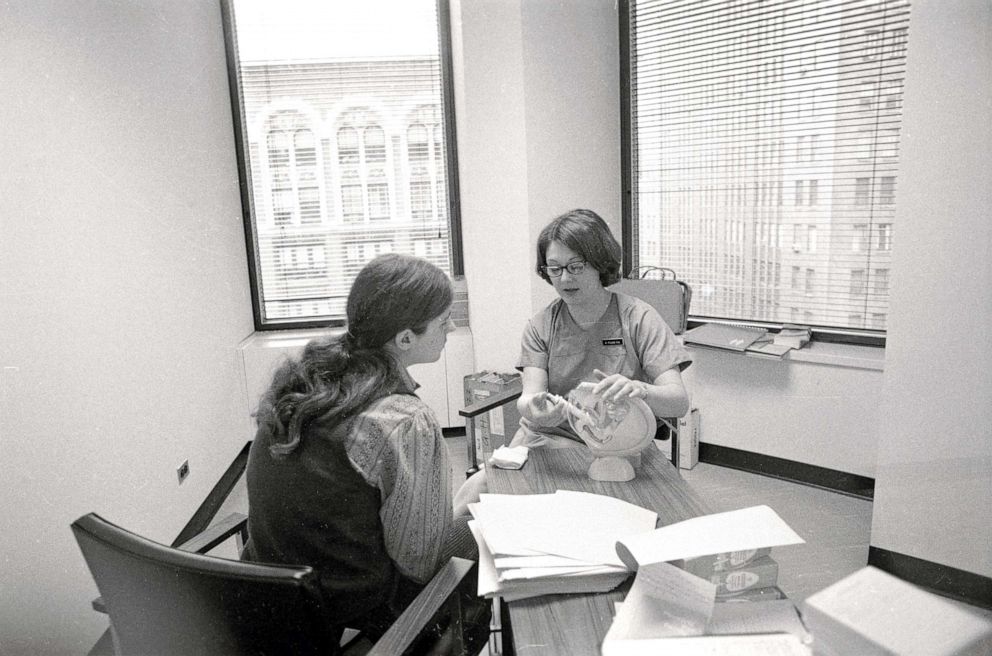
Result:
[
  {"x": 793, "y": 336},
  {"x": 769, "y": 349},
  {"x": 529, "y": 545},
  {"x": 724, "y": 336},
  {"x": 756, "y": 527},
  {"x": 873, "y": 612},
  {"x": 760, "y": 573}
]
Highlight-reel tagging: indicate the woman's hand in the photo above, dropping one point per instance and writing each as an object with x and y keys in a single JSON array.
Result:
[
  {"x": 542, "y": 410},
  {"x": 614, "y": 387}
]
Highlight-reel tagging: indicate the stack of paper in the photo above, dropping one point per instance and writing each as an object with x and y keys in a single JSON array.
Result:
[{"x": 537, "y": 544}]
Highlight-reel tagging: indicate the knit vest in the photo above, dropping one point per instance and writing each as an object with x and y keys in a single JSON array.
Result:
[{"x": 312, "y": 508}]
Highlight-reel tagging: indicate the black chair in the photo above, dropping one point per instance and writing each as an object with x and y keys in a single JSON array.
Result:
[{"x": 174, "y": 600}]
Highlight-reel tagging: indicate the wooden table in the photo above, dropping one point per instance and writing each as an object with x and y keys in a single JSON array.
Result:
[{"x": 575, "y": 624}]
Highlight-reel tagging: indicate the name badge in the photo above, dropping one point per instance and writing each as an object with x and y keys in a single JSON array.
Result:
[{"x": 613, "y": 342}]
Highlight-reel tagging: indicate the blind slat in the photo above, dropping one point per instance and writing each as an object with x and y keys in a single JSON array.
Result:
[{"x": 764, "y": 153}]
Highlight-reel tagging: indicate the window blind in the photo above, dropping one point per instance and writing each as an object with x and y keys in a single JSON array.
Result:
[
  {"x": 345, "y": 147},
  {"x": 763, "y": 157}
]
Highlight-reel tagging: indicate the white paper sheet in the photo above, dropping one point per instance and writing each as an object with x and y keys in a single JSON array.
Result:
[
  {"x": 773, "y": 644},
  {"x": 749, "y": 528},
  {"x": 774, "y": 616},
  {"x": 488, "y": 582},
  {"x": 576, "y": 525},
  {"x": 663, "y": 602},
  {"x": 513, "y": 562}
]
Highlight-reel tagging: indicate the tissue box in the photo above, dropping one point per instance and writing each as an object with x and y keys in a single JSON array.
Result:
[
  {"x": 689, "y": 439},
  {"x": 759, "y": 573},
  {"x": 495, "y": 428}
]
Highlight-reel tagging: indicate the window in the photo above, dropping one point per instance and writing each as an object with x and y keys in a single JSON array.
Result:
[
  {"x": 343, "y": 122},
  {"x": 887, "y": 192},
  {"x": 859, "y": 241},
  {"x": 858, "y": 284},
  {"x": 881, "y": 282},
  {"x": 711, "y": 89}
]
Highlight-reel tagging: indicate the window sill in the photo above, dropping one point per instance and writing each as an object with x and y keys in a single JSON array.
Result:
[
  {"x": 283, "y": 339},
  {"x": 850, "y": 356}
]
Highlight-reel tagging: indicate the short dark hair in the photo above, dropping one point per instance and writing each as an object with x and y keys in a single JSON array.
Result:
[{"x": 586, "y": 233}]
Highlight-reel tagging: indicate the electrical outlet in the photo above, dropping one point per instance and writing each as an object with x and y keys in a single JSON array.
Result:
[{"x": 182, "y": 471}]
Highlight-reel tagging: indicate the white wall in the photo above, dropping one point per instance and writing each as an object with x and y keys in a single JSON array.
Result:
[
  {"x": 933, "y": 495},
  {"x": 538, "y": 134},
  {"x": 123, "y": 290},
  {"x": 818, "y": 414}
]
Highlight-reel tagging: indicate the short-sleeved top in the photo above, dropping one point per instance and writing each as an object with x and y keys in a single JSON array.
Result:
[{"x": 630, "y": 339}]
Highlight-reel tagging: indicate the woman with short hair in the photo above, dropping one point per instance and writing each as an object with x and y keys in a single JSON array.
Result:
[{"x": 592, "y": 334}]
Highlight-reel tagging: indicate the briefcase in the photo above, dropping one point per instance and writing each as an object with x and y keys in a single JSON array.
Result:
[{"x": 660, "y": 288}]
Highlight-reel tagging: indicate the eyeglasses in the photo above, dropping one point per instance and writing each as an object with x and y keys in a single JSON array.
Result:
[{"x": 574, "y": 268}]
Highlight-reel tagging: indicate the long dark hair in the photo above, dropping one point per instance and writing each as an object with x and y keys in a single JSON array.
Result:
[
  {"x": 335, "y": 378},
  {"x": 586, "y": 233}
]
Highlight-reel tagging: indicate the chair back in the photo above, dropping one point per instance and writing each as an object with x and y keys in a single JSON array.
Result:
[
  {"x": 163, "y": 600},
  {"x": 664, "y": 292}
]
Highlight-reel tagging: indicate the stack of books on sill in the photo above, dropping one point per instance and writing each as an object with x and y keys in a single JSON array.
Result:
[
  {"x": 793, "y": 336},
  {"x": 751, "y": 340}
]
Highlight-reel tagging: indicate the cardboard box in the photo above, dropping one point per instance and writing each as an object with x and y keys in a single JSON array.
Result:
[
  {"x": 689, "y": 439},
  {"x": 496, "y": 427}
]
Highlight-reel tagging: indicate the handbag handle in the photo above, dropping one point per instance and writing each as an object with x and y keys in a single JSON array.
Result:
[{"x": 666, "y": 273}]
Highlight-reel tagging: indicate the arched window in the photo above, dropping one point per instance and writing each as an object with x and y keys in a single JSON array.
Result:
[
  {"x": 322, "y": 132},
  {"x": 425, "y": 163},
  {"x": 362, "y": 159},
  {"x": 418, "y": 153},
  {"x": 291, "y": 154}
]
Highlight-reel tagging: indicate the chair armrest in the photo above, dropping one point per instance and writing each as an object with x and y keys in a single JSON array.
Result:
[
  {"x": 217, "y": 533},
  {"x": 487, "y": 404},
  {"x": 422, "y": 610},
  {"x": 202, "y": 543}
]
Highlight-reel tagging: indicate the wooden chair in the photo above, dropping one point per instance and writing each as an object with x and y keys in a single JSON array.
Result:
[{"x": 177, "y": 600}]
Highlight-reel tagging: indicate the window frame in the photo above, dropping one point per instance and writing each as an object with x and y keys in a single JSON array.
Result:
[
  {"x": 455, "y": 247},
  {"x": 874, "y": 338}
]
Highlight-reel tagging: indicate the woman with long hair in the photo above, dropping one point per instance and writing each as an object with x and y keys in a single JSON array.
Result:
[{"x": 348, "y": 472}]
